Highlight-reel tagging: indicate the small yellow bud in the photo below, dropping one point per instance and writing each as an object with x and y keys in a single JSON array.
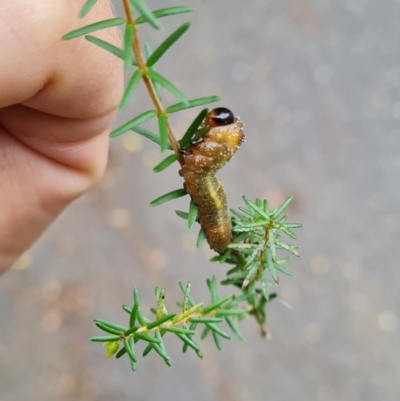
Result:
[{"x": 111, "y": 348}]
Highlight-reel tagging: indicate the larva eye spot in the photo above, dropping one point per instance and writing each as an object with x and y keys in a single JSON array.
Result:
[{"x": 220, "y": 116}]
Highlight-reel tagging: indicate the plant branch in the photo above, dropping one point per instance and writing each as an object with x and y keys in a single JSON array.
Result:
[{"x": 140, "y": 60}]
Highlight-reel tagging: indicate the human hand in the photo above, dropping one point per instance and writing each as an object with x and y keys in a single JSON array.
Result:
[{"x": 57, "y": 103}]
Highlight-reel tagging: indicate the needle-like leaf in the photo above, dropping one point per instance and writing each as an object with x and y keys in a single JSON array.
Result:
[
  {"x": 164, "y": 46},
  {"x": 104, "y": 339},
  {"x": 217, "y": 304},
  {"x": 201, "y": 237},
  {"x": 160, "y": 321},
  {"x": 97, "y": 26},
  {"x": 130, "y": 89},
  {"x": 146, "y": 13},
  {"x": 87, "y": 7},
  {"x": 165, "y": 163},
  {"x": 193, "y": 208},
  {"x": 130, "y": 348},
  {"x": 148, "y": 52},
  {"x": 192, "y": 103},
  {"x": 183, "y": 215},
  {"x": 234, "y": 327},
  {"x": 163, "y": 127},
  {"x": 148, "y": 134},
  {"x": 185, "y": 141},
  {"x": 141, "y": 118},
  {"x": 169, "y": 86},
  {"x": 281, "y": 208},
  {"x": 107, "y": 46},
  {"x": 128, "y": 40},
  {"x": 164, "y": 12},
  {"x": 169, "y": 196}
]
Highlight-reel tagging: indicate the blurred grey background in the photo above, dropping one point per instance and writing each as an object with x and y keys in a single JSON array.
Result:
[{"x": 317, "y": 83}]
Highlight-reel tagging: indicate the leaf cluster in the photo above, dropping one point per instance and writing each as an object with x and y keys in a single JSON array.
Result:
[
  {"x": 253, "y": 253},
  {"x": 183, "y": 325},
  {"x": 145, "y": 69}
]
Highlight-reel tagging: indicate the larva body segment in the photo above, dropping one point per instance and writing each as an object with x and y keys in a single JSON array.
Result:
[
  {"x": 201, "y": 162},
  {"x": 208, "y": 193}
]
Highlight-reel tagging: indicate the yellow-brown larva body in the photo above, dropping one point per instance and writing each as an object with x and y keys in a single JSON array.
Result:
[{"x": 201, "y": 162}]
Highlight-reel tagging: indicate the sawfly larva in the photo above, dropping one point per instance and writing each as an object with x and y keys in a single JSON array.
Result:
[{"x": 202, "y": 160}]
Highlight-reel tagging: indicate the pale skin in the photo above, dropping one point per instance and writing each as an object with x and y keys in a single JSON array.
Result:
[{"x": 57, "y": 103}]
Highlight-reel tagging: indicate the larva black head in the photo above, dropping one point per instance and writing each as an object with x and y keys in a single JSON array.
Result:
[{"x": 219, "y": 117}]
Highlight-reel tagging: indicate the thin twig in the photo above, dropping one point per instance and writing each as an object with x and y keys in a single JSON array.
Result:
[{"x": 140, "y": 60}]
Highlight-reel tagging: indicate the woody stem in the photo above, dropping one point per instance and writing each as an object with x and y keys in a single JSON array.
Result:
[{"x": 142, "y": 66}]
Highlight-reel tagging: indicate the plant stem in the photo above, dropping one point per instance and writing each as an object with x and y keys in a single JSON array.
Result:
[
  {"x": 182, "y": 319},
  {"x": 128, "y": 12},
  {"x": 148, "y": 82}
]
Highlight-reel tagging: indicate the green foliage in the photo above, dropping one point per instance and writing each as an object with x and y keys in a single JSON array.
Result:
[
  {"x": 165, "y": 163},
  {"x": 183, "y": 215},
  {"x": 141, "y": 118},
  {"x": 130, "y": 88},
  {"x": 192, "y": 130},
  {"x": 169, "y": 86},
  {"x": 201, "y": 238},
  {"x": 163, "y": 127},
  {"x": 148, "y": 52},
  {"x": 192, "y": 103},
  {"x": 159, "y": 52},
  {"x": 182, "y": 324},
  {"x": 148, "y": 134},
  {"x": 192, "y": 215},
  {"x": 147, "y": 15},
  {"x": 106, "y": 46},
  {"x": 177, "y": 193},
  {"x": 199, "y": 133},
  {"x": 259, "y": 233},
  {"x": 128, "y": 45},
  {"x": 87, "y": 7},
  {"x": 165, "y": 12},
  {"x": 97, "y": 26}
]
